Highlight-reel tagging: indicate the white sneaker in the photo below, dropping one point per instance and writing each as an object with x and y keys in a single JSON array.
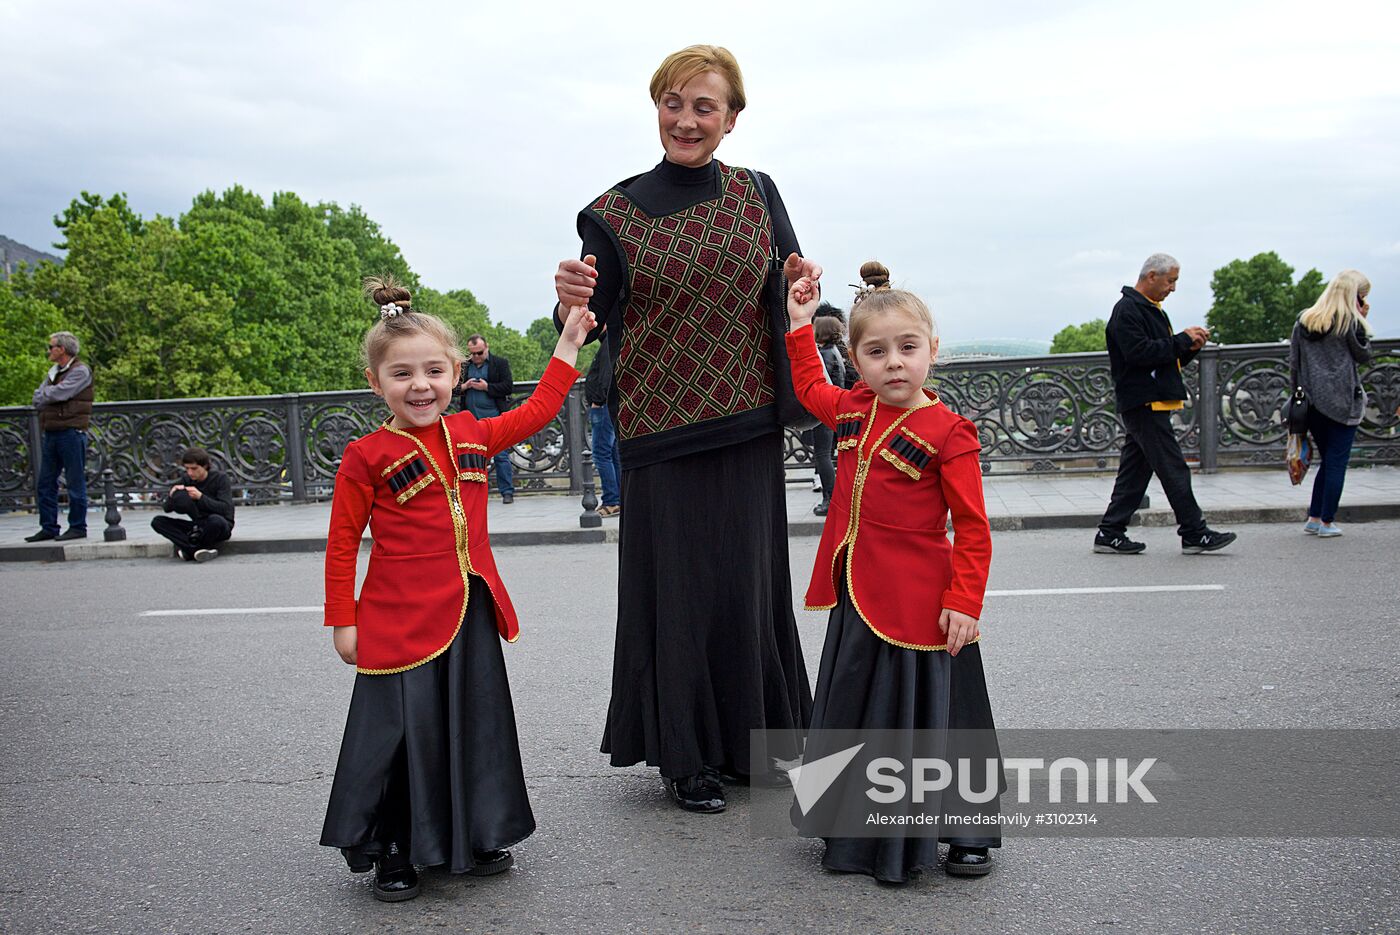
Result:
[
  {"x": 1329, "y": 530},
  {"x": 204, "y": 555},
  {"x": 1312, "y": 526},
  {"x": 816, "y": 485}
]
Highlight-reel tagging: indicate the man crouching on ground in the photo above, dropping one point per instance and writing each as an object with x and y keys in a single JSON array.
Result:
[{"x": 206, "y": 496}]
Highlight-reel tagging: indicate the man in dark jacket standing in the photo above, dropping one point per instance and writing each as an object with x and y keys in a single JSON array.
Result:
[
  {"x": 485, "y": 392},
  {"x": 64, "y": 402},
  {"x": 205, "y": 495},
  {"x": 1146, "y": 358}
]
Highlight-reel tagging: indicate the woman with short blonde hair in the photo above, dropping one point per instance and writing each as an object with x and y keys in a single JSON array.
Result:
[{"x": 674, "y": 263}]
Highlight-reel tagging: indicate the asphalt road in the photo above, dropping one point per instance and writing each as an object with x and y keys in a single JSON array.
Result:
[{"x": 169, "y": 774}]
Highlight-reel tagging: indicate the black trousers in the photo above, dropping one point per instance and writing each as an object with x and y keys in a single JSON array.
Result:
[
  {"x": 823, "y": 452},
  {"x": 1150, "y": 447},
  {"x": 206, "y": 532}
]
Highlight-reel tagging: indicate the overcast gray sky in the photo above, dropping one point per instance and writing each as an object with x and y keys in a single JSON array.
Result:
[{"x": 1011, "y": 162}]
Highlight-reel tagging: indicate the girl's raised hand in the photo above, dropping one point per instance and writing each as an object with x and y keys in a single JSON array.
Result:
[
  {"x": 803, "y": 297},
  {"x": 958, "y": 628},
  {"x": 578, "y": 325},
  {"x": 573, "y": 281}
]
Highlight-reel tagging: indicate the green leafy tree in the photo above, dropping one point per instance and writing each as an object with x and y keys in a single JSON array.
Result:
[
  {"x": 88, "y": 204},
  {"x": 1256, "y": 300},
  {"x": 25, "y": 326},
  {"x": 1075, "y": 339},
  {"x": 239, "y": 295}
]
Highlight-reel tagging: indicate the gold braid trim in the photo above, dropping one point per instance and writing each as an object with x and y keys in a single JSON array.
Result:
[
  {"x": 414, "y": 665},
  {"x": 422, "y": 482},
  {"x": 847, "y": 444},
  {"x": 472, "y": 445},
  {"x": 849, "y": 415},
  {"x": 474, "y": 475},
  {"x": 910, "y": 434},
  {"x": 399, "y": 463},
  {"x": 899, "y": 463}
]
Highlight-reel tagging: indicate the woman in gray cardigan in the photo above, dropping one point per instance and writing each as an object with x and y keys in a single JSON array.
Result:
[{"x": 1329, "y": 341}]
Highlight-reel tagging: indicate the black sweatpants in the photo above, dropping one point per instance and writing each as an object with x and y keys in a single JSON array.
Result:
[
  {"x": 206, "y": 532},
  {"x": 1150, "y": 447}
]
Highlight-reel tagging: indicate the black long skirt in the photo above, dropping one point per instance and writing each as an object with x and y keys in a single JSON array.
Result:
[
  {"x": 707, "y": 645},
  {"x": 866, "y": 683},
  {"x": 430, "y": 759}
]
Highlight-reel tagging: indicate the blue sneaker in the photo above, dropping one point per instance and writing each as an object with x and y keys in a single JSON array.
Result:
[
  {"x": 1329, "y": 531},
  {"x": 1312, "y": 526}
]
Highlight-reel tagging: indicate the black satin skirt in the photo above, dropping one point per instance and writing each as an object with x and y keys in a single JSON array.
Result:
[
  {"x": 707, "y": 646},
  {"x": 866, "y": 683},
  {"x": 431, "y": 759}
]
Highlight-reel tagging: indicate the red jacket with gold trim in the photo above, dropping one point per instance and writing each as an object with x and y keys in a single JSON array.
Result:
[
  {"x": 900, "y": 472},
  {"x": 425, "y": 503}
]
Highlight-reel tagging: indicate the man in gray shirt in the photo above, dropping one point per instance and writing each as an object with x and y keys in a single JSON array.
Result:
[{"x": 64, "y": 400}]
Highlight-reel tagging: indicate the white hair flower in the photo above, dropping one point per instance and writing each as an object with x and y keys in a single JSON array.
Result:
[{"x": 389, "y": 311}]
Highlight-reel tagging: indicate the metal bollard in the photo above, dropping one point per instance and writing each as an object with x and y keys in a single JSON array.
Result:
[
  {"x": 114, "y": 531},
  {"x": 590, "y": 518}
]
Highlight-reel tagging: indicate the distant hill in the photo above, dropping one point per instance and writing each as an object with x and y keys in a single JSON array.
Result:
[
  {"x": 13, "y": 253},
  {"x": 993, "y": 347}
]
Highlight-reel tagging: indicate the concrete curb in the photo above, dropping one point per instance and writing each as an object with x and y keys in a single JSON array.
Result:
[{"x": 88, "y": 551}]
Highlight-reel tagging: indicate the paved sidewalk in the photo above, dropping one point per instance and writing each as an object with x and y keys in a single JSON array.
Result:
[{"x": 1013, "y": 502}]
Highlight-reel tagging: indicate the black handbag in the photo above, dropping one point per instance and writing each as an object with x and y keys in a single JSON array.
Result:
[
  {"x": 791, "y": 412},
  {"x": 1295, "y": 413}
]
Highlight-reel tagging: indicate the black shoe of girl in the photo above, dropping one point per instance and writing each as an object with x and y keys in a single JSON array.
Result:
[
  {"x": 394, "y": 877},
  {"x": 968, "y": 861},
  {"x": 489, "y": 862},
  {"x": 699, "y": 793}
]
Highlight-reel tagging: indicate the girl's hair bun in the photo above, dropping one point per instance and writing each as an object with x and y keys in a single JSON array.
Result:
[
  {"x": 384, "y": 290},
  {"x": 875, "y": 274}
]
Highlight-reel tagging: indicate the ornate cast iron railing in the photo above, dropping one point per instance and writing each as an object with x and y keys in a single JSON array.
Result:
[{"x": 1033, "y": 414}]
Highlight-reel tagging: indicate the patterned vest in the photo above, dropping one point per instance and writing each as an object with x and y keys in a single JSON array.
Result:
[{"x": 695, "y": 341}]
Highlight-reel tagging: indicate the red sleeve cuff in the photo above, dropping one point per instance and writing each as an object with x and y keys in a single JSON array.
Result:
[
  {"x": 340, "y": 614},
  {"x": 559, "y": 375},
  {"x": 962, "y": 604}
]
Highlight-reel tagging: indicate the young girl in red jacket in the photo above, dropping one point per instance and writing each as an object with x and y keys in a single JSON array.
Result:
[
  {"x": 901, "y": 649},
  {"x": 429, "y": 770}
]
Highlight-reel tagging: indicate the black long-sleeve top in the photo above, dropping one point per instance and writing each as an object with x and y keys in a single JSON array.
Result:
[
  {"x": 666, "y": 189},
  {"x": 216, "y": 497},
  {"x": 1144, "y": 356}
]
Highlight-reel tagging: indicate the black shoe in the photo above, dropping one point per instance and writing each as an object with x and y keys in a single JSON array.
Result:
[
  {"x": 700, "y": 793},
  {"x": 507, "y": 498},
  {"x": 775, "y": 777},
  {"x": 394, "y": 877},
  {"x": 1208, "y": 541},
  {"x": 42, "y": 535},
  {"x": 1117, "y": 545},
  {"x": 968, "y": 862},
  {"x": 822, "y": 508},
  {"x": 489, "y": 862},
  {"x": 72, "y": 533}
]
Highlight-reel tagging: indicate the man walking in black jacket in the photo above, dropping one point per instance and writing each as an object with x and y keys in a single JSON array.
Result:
[
  {"x": 485, "y": 392},
  {"x": 206, "y": 496},
  {"x": 1146, "y": 358}
]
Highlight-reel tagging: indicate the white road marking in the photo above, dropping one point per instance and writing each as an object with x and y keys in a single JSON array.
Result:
[
  {"x": 1139, "y": 589},
  {"x": 231, "y": 611}
]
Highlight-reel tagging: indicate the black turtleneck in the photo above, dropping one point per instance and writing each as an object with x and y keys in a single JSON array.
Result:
[{"x": 666, "y": 189}]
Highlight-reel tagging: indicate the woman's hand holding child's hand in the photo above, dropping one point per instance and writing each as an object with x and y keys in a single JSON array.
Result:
[
  {"x": 958, "y": 628},
  {"x": 802, "y": 301},
  {"x": 346, "y": 641}
]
